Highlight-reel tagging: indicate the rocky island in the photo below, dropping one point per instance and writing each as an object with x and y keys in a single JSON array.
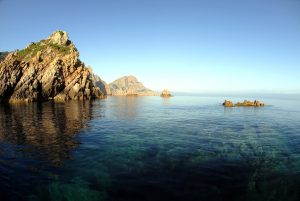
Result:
[
  {"x": 47, "y": 70},
  {"x": 129, "y": 86},
  {"x": 246, "y": 103}
]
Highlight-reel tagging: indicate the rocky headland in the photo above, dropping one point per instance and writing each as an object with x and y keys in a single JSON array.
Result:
[
  {"x": 48, "y": 70},
  {"x": 129, "y": 86},
  {"x": 246, "y": 103},
  {"x": 166, "y": 93}
]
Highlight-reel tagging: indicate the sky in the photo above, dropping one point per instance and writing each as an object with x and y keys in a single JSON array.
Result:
[{"x": 183, "y": 45}]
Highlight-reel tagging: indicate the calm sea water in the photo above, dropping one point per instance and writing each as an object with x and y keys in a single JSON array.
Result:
[{"x": 149, "y": 148}]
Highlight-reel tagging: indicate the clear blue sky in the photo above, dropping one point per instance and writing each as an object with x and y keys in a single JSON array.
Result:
[{"x": 183, "y": 45}]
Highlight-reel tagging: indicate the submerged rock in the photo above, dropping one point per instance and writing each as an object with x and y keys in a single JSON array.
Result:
[
  {"x": 246, "y": 103},
  {"x": 166, "y": 93},
  {"x": 129, "y": 86},
  {"x": 48, "y": 69}
]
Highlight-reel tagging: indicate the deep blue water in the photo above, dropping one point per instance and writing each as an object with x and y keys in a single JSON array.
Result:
[{"x": 148, "y": 148}]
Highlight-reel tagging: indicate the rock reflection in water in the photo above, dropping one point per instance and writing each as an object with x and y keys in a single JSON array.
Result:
[
  {"x": 125, "y": 107},
  {"x": 48, "y": 127}
]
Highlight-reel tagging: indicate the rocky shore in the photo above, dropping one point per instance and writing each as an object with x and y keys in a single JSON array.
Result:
[{"x": 246, "y": 103}]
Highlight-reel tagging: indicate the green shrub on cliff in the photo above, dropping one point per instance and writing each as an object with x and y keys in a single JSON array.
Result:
[{"x": 33, "y": 48}]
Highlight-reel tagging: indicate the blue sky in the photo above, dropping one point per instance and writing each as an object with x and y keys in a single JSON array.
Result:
[{"x": 183, "y": 45}]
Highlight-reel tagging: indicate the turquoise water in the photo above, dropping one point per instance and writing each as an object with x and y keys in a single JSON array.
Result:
[{"x": 149, "y": 148}]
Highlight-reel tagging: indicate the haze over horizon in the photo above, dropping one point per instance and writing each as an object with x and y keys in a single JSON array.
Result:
[{"x": 182, "y": 45}]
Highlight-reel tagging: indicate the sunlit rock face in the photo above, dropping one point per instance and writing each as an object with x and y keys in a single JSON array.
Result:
[
  {"x": 48, "y": 127},
  {"x": 48, "y": 69},
  {"x": 129, "y": 85}
]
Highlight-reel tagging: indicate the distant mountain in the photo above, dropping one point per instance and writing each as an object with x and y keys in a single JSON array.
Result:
[
  {"x": 48, "y": 69},
  {"x": 129, "y": 85}
]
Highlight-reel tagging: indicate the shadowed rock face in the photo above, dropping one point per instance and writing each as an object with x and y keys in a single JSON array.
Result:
[
  {"x": 49, "y": 69},
  {"x": 102, "y": 85},
  {"x": 3, "y": 55},
  {"x": 129, "y": 85},
  {"x": 246, "y": 103}
]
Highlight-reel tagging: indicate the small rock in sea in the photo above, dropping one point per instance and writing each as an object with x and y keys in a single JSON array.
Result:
[
  {"x": 246, "y": 103},
  {"x": 228, "y": 104},
  {"x": 166, "y": 93}
]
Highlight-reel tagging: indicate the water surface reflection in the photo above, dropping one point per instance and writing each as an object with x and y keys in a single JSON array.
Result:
[{"x": 49, "y": 127}]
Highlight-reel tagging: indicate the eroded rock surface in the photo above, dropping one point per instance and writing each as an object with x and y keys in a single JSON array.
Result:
[{"x": 48, "y": 69}]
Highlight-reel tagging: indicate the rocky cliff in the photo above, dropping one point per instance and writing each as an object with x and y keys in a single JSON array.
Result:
[
  {"x": 48, "y": 69},
  {"x": 129, "y": 85},
  {"x": 103, "y": 86}
]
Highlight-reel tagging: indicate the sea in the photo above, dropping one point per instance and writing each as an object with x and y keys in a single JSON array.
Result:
[{"x": 185, "y": 148}]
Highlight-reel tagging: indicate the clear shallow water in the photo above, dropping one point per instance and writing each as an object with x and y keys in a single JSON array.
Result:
[{"x": 148, "y": 148}]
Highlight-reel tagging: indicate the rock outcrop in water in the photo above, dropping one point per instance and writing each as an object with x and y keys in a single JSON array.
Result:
[
  {"x": 48, "y": 69},
  {"x": 166, "y": 93},
  {"x": 246, "y": 103},
  {"x": 129, "y": 85}
]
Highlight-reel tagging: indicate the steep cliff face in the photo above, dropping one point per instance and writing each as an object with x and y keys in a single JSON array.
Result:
[
  {"x": 48, "y": 69},
  {"x": 129, "y": 85}
]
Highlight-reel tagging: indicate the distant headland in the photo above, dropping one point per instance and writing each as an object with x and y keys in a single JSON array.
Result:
[{"x": 129, "y": 85}]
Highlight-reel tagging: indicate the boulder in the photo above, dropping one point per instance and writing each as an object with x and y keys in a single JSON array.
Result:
[{"x": 59, "y": 38}]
